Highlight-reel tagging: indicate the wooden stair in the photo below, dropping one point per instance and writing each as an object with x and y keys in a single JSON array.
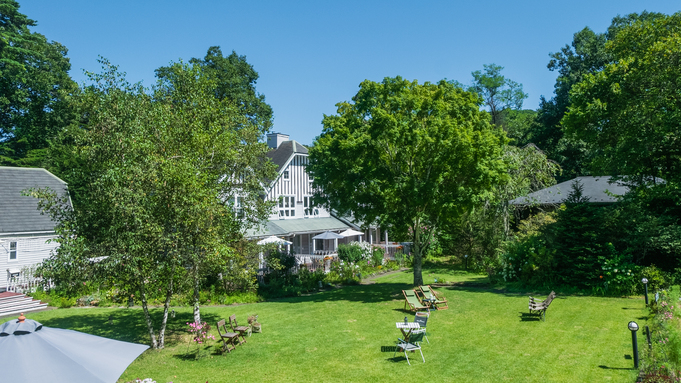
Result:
[{"x": 14, "y": 304}]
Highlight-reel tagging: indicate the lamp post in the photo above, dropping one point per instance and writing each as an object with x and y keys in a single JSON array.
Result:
[
  {"x": 645, "y": 283},
  {"x": 633, "y": 326},
  {"x": 466, "y": 256}
]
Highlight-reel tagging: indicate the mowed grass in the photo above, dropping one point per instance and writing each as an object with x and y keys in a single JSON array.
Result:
[{"x": 342, "y": 336}]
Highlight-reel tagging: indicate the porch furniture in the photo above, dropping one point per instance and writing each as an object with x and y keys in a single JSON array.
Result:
[
  {"x": 407, "y": 328},
  {"x": 229, "y": 339},
  {"x": 439, "y": 303},
  {"x": 239, "y": 329},
  {"x": 411, "y": 299},
  {"x": 422, "y": 319},
  {"x": 539, "y": 307},
  {"x": 412, "y": 344}
]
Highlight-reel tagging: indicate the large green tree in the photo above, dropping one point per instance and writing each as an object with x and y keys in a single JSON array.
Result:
[
  {"x": 155, "y": 176},
  {"x": 34, "y": 89},
  {"x": 235, "y": 80},
  {"x": 585, "y": 55},
  {"x": 629, "y": 112},
  {"x": 408, "y": 156},
  {"x": 498, "y": 92}
]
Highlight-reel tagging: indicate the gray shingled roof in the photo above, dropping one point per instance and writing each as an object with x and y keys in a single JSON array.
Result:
[
  {"x": 285, "y": 150},
  {"x": 594, "y": 189},
  {"x": 18, "y": 213}
]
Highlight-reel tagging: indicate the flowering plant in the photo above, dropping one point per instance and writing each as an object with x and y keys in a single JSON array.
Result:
[{"x": 199, "y": 332}]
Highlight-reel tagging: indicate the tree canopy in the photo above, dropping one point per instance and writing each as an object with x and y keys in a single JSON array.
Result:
[
  {"x": 629, "y": 112},
  {"x": 235, "y": 81},
  {"x": 498, "y": 92},
  {"x": 34, "y": 89},
  {"x": 155, "y": 176},
  {"x": 407, "y": 156}
]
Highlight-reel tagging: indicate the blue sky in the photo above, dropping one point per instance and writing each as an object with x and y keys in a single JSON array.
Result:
[{"x": 312, "y": 54}]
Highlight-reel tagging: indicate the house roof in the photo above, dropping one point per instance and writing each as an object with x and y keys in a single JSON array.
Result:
[
  {"x": 597, "y": 189},
  {"x": 18, "y": 213},
  {"x": 297, "y": 226},
  {"x": 283, "y": 153}
]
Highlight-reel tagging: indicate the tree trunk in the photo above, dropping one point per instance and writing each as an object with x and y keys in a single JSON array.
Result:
[
  {"x": 164, "y": 322},
  {"x": 197, "y": 313},
  {"x": 147, "y": 317},
  {"x": 418, "y": 277}
]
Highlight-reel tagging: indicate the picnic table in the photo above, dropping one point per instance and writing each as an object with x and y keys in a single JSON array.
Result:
[{"x": 407, "y": 328}]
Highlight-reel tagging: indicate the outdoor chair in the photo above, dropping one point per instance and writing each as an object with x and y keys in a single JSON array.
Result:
[
  {"x": 422, "y": 319},
  {"x": 440, "y": 303},
  {"x": 412, "y": 345},
  {"x": 229, "y": 339},
  {"x": 238, "y": 329},
  {"x": 539, "y": 307},
  {"x": 411, "y": 299}
]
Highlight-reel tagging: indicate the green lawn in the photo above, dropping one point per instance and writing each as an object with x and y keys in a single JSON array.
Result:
[{"x": 338, "y": 336}]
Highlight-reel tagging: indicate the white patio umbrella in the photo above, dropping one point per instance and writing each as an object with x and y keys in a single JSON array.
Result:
[
  {"x": 275, "y": 240},
  {"x": 329, "y": 235},
  {"x": 34, "y": 353},
  {"x": 350, "y": 233}
]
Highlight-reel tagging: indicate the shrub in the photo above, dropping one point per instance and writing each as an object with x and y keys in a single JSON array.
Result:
[
  {"x": 377, "y": 256},
  {"x": 350, "y": 253}
]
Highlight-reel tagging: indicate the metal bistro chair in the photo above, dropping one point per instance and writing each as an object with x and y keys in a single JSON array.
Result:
[
  {"x": 411, "y": 345},
  {"x": 422, "y": 319}
]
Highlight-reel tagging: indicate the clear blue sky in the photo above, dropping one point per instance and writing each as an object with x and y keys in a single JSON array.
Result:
[{"x": 313, "y": 54}]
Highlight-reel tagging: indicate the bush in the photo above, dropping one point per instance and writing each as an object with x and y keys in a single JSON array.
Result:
[
  {"x": 350, "y": 253},
  {"x": 343, "y": 272},
  {"x": 377, "y": 256}
]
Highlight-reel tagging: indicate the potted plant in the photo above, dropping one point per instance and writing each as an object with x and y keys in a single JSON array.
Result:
[{"x": 253, "y": 322}]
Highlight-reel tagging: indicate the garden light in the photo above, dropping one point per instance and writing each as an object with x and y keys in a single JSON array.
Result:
[
  {"x": 645, "y": 283},
  {"x": 466, "y": 256},
  {"x": 633, "y": 326}
]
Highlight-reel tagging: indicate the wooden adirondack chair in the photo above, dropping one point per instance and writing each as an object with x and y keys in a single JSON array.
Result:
[
  {"x": 412, "y": 299},
  {"x": 440, "y": 303}
]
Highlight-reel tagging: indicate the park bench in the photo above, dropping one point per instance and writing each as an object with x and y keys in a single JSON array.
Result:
[{"x": 539, "y": 307}]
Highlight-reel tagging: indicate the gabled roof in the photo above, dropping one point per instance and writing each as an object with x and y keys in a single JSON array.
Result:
[
  {"x": 281, "y": 155},
  {"x": 18, "y": 213},
  {"x": 594, "y": 189}
]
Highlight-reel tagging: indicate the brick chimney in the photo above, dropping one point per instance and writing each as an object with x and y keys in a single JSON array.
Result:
[{"x": 275, "y": 139}]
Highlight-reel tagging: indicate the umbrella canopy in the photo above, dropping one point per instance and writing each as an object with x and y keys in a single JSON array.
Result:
[
  {"x": 327, "y": 235},
  {"x": 33, "y": 353},
  {"x": 350, "y": 233},
  {"x": 274, "y": 239}
]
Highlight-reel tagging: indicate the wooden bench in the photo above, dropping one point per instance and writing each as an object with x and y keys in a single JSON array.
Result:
[{"x": 539, "y": 307}]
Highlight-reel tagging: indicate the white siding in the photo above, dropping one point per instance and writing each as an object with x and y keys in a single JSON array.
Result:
[
  {"x": 30, "y": 251},
  {"x": 297, "y": 185}
]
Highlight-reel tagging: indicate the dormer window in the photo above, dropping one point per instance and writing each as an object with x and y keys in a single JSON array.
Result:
[{"x": 286, "y": 175}]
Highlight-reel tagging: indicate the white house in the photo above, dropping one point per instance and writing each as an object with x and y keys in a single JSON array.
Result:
[
  {"x": 295, "y": 218},
  {"x": 24, "y": 231}
]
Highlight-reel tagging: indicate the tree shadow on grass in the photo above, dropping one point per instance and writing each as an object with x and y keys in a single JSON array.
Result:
[{"x": 128, "y": 325}]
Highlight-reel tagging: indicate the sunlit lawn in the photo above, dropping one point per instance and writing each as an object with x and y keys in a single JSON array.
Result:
[{"x": 341, "y": 336}]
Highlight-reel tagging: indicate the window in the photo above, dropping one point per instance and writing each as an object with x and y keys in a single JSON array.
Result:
[
  {"x": 310, "y": 209},
  {"x": 287, "y": 206},
  {"x": 12, "y": 251},
  {"x": 239, "y": 207},
  {"x": 286, "y": 175}
]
